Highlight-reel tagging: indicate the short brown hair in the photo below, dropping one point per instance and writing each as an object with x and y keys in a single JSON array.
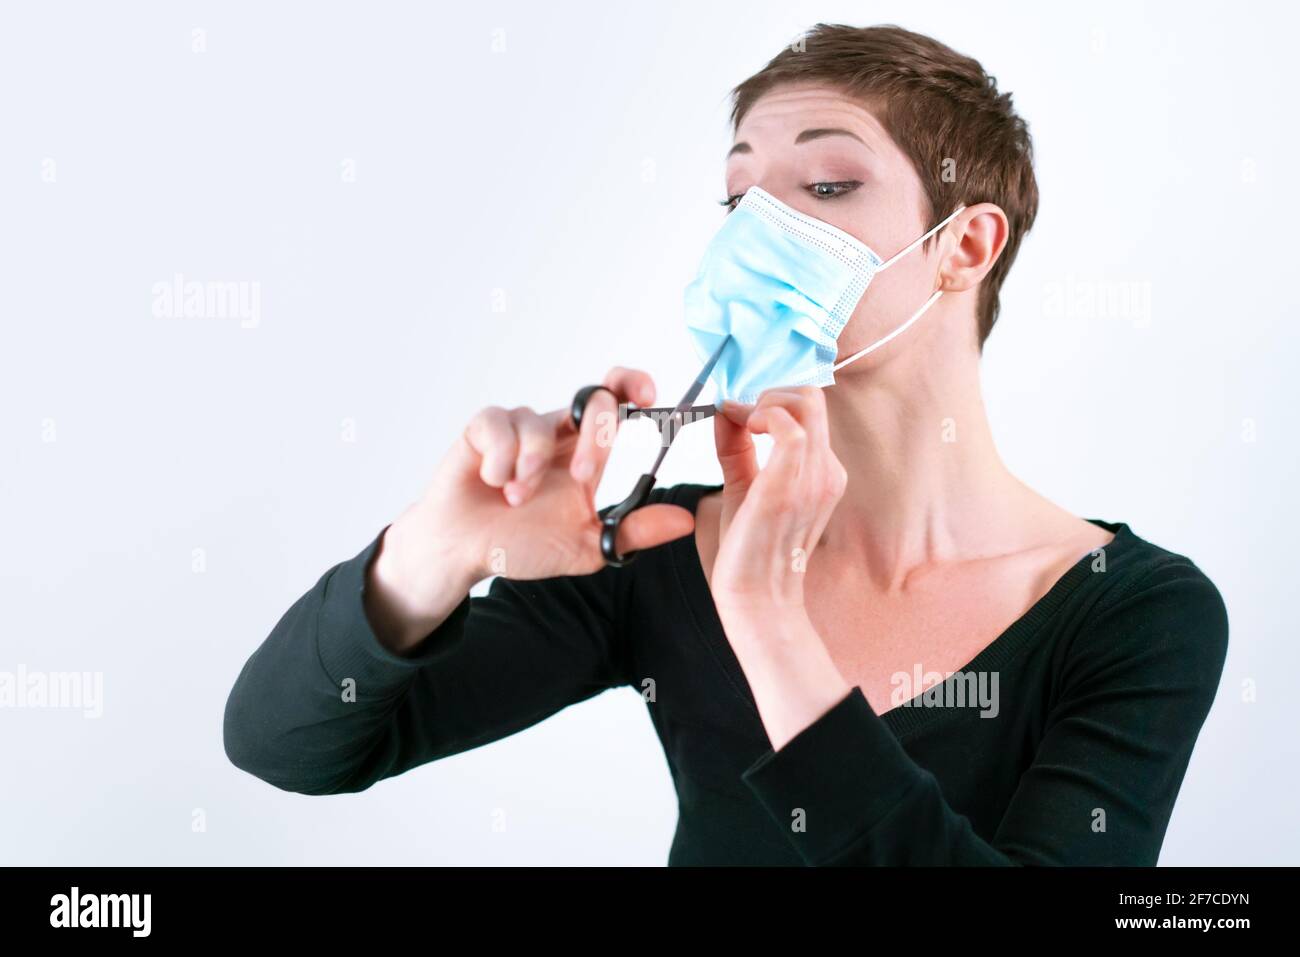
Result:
[{"x": 942, "y": 110}]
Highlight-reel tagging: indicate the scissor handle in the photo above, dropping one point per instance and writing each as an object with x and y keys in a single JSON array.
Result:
[
  {"x": 611, "y": 520},
  {"x": 580, "y": 400}
]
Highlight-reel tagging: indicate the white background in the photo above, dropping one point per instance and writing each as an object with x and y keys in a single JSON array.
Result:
[{"x": 576, "y": 172}]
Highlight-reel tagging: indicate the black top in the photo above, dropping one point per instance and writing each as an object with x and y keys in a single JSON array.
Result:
[{"x": 1101, "y": 691}]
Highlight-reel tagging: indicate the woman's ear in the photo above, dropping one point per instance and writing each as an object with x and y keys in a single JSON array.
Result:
[{"x": 981, "y": 233}]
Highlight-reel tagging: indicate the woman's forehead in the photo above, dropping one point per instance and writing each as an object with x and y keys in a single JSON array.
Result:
[{"x": 780, "y": 115}]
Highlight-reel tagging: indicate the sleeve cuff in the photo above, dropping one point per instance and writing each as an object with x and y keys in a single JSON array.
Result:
[
  {"x": 834, "y": 781},
  {"x": 348, "y": 645}
]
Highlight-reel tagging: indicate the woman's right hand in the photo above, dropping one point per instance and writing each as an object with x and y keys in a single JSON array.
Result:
[{"x": 515, "y": 496}]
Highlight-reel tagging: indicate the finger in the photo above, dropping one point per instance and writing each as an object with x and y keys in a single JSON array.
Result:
[
  {"x": 830, "y": 491},
  {"x": 736, "y": 411},
  {"x": 806, "y": 404},
  {"x": 631, "y": 385},
  {"x": 600, "y": 420},
  {"x": 653, "y": 525},
  {"x": 736, "y": 455},
  {"x": 492, "y": 436},
  {"x": 536, "y": 435},
  {"x": 595, "y": 436},
  {"x": 790, "y": 443}
]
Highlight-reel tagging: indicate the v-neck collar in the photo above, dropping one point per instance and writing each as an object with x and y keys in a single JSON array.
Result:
[{"x": 903, "y": 719}]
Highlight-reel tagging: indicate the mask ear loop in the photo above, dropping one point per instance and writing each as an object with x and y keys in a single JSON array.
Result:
[
  {"x": 880, "y": 342},
  {"x": 916, "y": 315},
  {"x": 916, "y": 242}
]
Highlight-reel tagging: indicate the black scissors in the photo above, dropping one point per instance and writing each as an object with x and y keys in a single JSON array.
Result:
[{"x": 670, "y": 422}]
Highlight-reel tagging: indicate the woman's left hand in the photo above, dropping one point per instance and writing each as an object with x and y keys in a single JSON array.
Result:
[{"x": 772, "y": 519}]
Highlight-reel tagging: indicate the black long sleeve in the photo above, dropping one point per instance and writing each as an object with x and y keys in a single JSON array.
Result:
[
  {"x": 1104, "y": 685},
  {"x": 1138, "y": 682},
  {"x": 322, "y": 707}
]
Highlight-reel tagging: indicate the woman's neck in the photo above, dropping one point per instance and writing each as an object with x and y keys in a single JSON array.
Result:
[{"x": 926, "y": 483}]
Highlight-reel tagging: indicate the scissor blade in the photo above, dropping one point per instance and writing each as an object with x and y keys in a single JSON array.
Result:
[
  {"x": 662, "y": 412},
  {"x": 682, "y": 410},
  {"x": 700, "y": 380}
]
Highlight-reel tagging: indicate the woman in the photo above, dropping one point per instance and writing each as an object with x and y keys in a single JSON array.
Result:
[{"x": 881, "y": 647}]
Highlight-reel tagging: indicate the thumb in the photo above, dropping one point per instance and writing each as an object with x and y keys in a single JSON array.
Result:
[
  {"x": 653, "y": 525},
  {"x": 735, "y": 446}
]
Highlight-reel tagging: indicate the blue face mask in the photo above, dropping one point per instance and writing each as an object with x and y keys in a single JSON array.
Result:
[{"x": 782, "y": 285}]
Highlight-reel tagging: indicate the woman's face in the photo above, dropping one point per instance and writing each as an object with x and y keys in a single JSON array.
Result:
[{"x": 822, "y": 153}]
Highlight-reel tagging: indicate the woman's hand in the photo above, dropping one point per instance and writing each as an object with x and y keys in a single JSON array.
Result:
[
  {"x": 771, "y": 521},
  {"x": 773, "y": 518},
  {"x": 514, "y": 497}
]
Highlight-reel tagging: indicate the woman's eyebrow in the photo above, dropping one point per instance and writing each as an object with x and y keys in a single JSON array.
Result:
[
  {"x": 821, "y": 132},
  {"x": 804, "y": 137}
]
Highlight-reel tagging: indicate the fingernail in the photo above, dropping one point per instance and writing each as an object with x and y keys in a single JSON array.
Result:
[{"x": 513, "y": 494}]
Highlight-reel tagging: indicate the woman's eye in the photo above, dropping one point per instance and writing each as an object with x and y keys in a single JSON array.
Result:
[
  {"x": 820, "y": 190},
  {"x": 831, "y": 190}
]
